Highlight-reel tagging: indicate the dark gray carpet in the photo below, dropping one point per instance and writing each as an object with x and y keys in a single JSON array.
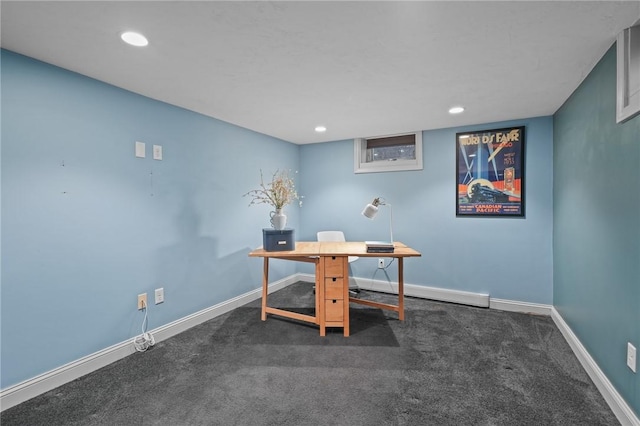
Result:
[{"x": 444, "y": 365}]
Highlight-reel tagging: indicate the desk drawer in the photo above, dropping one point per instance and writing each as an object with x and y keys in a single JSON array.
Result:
[
  {"x": 333, "y": 266},
  {"x": 334, "y": 288},
  {"x": 333, "y": 310}
]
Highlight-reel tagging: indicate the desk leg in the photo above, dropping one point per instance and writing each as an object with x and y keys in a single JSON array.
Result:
[
  {"x": 320, "y": 302},
  {"x": 265, "y": 285},
  {"x": 401, "y": 289},
  {"x": 345, "y": 295}
]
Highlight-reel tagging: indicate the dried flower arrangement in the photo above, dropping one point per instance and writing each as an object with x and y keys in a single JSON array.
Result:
[{"x": 278, "y": 193}]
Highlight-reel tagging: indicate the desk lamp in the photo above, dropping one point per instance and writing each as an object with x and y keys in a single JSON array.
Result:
[{"x": 371, "y": 210}]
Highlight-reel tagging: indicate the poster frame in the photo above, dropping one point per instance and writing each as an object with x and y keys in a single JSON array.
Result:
[{"x": 503, "y": 151}]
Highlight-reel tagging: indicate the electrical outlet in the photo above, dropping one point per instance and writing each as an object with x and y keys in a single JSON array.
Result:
[
  {"x": 159, "y": 295},
  {"x": 142, "y": 301},
  {"x": 631, "y": 357},
  {"x": 380, "y": 263}
]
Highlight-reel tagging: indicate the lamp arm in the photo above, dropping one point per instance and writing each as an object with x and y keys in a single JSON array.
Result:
[{"x": 371, "y": 209}]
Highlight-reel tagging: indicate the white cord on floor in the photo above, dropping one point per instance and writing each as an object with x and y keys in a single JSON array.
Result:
[{"x": 145, "y": 340}]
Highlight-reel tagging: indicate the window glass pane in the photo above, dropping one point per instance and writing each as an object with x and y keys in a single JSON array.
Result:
[
  {"x": 402, "y": 147},
  {"x": 390, "y": 153}
]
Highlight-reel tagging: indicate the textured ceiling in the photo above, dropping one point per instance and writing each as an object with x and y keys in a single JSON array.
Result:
[{"x": 359, "y": 68}]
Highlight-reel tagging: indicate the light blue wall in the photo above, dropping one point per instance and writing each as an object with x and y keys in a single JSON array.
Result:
[
  {"x": 597, "y": 225},
  {"x": 508, "y": 258},
  {"x": 86, "y": 226}
]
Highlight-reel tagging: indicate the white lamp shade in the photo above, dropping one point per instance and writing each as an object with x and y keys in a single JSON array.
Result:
[{"x": 370, "y": 211}]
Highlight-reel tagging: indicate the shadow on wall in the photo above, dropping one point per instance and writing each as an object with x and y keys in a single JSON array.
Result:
[{"x": 192, "y": 271}]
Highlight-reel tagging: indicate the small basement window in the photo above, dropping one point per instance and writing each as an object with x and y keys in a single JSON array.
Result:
[{"x": 388, "y": 153}]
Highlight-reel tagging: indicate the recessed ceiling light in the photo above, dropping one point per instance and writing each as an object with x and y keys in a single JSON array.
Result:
[
  {"x": 456, "y": 110},
  {"x": 321, "y": 129},
  {"x": 134, "y": 39}
]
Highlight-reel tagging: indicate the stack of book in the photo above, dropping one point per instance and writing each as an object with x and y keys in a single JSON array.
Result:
[{"x": 379, "y": 247}]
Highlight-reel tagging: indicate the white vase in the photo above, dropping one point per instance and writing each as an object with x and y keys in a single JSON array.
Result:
[{"x": 278, "y": 219}]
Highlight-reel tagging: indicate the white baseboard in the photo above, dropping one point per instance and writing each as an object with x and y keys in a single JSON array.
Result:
[
  {"x": 45, "y": 382},
  {"x": 446, "y": 295},
  {"x": 454, "y": 296},
  {"x": 424, "y": 292},
  {"x": 616, "y": 402},
  {"x": 413, "y": 290},
  {"x": 522, "y": 307}
]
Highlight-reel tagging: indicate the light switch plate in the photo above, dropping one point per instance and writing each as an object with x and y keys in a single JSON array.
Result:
[
  {"x": 157, "y": 152},
  {"x": 140, "y": 149},
  {"x": 631, "y": 357}
]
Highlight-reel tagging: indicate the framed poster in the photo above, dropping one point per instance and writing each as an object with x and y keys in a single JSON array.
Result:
[{"x": 490, "y": 172}]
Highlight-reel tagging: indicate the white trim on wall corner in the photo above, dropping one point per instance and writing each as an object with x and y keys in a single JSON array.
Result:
[
  {"x": 45, "y": 382},
  {"x": 616, "y": 402}
]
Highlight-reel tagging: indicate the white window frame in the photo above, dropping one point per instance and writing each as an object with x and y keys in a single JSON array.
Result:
[
  {"x": 628, "y": 70},
  {"x": 360, "y": 164}
]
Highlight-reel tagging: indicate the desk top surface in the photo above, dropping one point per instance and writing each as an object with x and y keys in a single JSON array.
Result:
[{"x": 333, "y": 248}]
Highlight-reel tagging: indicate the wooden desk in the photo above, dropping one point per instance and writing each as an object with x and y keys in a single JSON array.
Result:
[{"x": 332, "y": 280}]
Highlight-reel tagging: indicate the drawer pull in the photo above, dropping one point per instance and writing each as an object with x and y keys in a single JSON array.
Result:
[
  {"x": 334, "y": 280},
  {"x": 334, "y": 301}
]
